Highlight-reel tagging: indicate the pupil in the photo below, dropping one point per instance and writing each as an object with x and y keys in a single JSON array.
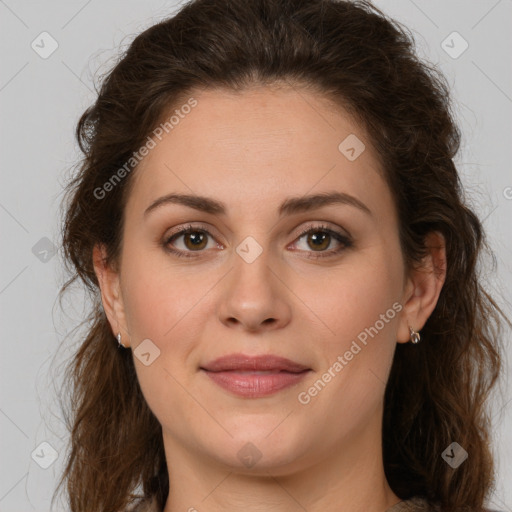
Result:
[
  {"x": 196, "y": 238},
  {"x": 319, "y": 239}
]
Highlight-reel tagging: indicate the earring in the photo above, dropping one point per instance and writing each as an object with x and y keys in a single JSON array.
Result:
[
  {"x": 415, "y": 336},
  {"x": 119, "y": 340}
]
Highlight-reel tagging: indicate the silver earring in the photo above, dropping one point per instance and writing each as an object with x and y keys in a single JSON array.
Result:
[
  {"x": 119, "y": 340},
  {"x": 415, "y": 336}
]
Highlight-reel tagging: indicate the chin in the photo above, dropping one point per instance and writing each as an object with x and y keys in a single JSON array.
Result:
[{"x": 256, "y": 447}]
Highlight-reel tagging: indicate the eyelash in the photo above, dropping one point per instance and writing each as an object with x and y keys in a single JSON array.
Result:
[{"x": 342, "y": 239}]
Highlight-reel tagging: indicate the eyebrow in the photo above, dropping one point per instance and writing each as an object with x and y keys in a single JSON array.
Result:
[{"x": 290, "y": 206}]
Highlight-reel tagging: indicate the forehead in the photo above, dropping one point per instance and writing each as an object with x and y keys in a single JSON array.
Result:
[{"x": 261, "y": 142}]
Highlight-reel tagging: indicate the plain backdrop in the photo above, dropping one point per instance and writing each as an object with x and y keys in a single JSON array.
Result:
[{"x": 51, "y": 52}]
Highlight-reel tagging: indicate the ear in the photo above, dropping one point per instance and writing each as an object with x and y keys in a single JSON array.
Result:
[
  {"x": 111, "y": 296},
  {"x": 423, "y": 287}
]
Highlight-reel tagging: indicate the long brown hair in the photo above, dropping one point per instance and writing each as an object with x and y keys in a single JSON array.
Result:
[{"x": 349, "y": 52}]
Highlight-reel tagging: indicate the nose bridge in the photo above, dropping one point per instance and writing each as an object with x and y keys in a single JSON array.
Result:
[
  {"x": 253, "y": 294},
  {"x": 252, "y": 276}
]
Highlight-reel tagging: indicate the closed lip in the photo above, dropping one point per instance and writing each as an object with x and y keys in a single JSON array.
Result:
[{"x": 244, "y": 363}]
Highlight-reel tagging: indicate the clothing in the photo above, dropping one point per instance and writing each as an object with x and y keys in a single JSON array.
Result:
[
  {"x": 413, "y": 505},
  {"x": 417, "y": 505}
]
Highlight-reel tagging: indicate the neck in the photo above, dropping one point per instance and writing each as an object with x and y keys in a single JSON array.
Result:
[{"x": 350, "y": 478}]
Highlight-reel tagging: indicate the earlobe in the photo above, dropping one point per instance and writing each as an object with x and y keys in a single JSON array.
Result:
[
  {"x": 423, "y": 287},
  {"x": 111, "y": 298}
]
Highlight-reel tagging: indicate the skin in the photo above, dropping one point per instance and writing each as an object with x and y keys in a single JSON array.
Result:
[{"x": 252, "y": 150}]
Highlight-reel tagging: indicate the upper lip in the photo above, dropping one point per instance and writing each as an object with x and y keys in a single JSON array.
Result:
[{"x": 244, "y": 362}]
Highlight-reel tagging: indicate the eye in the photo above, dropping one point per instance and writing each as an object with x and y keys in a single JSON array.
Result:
[
  {"x": 320, "y": 238},
  {"x": 195, "y": 239}
]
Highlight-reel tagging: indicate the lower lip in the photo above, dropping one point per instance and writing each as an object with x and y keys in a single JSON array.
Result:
[{"x": 254, "y": 385}]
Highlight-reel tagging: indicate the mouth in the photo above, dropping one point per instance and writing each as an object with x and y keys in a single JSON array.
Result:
[
  {"x": 261, "y": 363},
  {"x": 254, "y": 376}
]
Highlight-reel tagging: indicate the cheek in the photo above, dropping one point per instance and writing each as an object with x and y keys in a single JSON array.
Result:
[
  {"x": 146, "y": 307},
  {"x": 164, "y": 307},
  {"x": 350, "y": 381},
  {"x": 353, "y": 296},
  {"x": 157, "y": 297},
  {"x": 360, "y": 305}
]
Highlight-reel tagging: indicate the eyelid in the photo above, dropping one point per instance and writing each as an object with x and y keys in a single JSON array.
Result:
[
  {"x": 189, "y": 226},
  {"x": 344, "y": 239},
  {"x": 324, "y": 225},
  {"x": 315, "y": 224}
]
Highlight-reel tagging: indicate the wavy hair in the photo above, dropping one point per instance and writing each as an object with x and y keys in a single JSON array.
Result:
[{"x": 352, "y": 53}]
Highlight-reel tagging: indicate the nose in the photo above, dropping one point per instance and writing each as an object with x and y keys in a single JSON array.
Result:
[{"x": 254, "y": 298}]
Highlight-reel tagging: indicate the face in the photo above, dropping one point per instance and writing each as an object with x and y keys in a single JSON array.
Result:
[{"x": 271, "y": 273}]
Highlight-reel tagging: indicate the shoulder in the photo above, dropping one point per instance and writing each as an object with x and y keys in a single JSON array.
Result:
[{"x": 419, "y": 505}]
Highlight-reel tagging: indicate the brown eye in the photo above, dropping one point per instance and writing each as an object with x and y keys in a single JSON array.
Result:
[
  {"x": 195, "y": 240},
  {"x": 187, "y": 240},
  {"x": 319, "y": 238},
  {"x": 318, "y": 242}
]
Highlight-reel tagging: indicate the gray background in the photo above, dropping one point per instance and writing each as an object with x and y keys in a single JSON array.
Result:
[{"x": 40, "y": 101}]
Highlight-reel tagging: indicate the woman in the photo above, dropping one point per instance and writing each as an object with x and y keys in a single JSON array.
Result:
[{"x": 287, "y": 313}]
